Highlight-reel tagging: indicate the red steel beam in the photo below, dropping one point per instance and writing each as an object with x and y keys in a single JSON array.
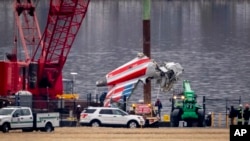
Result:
[{"x": 64, "y": 21}]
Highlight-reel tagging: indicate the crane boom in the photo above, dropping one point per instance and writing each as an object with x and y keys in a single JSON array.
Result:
[
  {"x": 39, "y": 70},
  {"x": 64, "y": 20},
  {"x": 28, "y": 28}
]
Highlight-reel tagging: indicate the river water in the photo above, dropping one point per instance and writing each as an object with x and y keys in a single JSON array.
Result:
[{"x": 209, "y": 38}]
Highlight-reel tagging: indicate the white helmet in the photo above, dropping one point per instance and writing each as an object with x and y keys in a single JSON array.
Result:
[
  {"x": 240, "y": 105},
  {"x": 78, "y": 106}
]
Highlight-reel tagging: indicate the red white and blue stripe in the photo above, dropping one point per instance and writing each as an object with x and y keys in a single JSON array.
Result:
[
  {"x": 123, "y": 80},
  {"x": 116, "y": 93},
  {"x": 133, "y": 69}
]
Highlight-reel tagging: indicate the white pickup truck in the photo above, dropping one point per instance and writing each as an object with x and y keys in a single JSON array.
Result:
[{"x": 16, "y": 117}]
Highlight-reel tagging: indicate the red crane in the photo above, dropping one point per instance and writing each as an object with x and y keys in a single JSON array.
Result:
[{"x": 39, "y": 70}]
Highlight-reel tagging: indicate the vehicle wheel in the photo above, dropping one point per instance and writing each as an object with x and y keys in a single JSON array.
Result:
[
  {"x": 95, "y": 123},
  {"x": 133, "y": 124},
  {"x": 174, "y": 122},
  {"x": 190, "y": 123},
  {"x": 175, "y": 118},
  {"x": 48, "y": 127},
  {"x": 5, "y": 128}
]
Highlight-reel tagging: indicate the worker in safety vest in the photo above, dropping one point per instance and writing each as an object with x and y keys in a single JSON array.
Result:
[
  {"x": 240, "y": 115},
  {"x": 246, "y": 114}
]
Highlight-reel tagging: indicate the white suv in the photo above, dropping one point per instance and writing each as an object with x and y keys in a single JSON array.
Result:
[{"x": 107, "y": 116}]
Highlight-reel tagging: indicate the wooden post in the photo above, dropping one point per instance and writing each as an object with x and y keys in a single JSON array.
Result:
[
  {"x": 219, "y": 120},
  {"x": 146, "y": 45},
  {"x": 226, "y": 120}
]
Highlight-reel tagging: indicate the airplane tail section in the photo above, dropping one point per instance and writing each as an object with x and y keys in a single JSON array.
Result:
[
  {"x": 119, "y": 91},
  {"x": 122, "y": 80}
]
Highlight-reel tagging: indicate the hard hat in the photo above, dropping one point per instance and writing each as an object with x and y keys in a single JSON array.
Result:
[
  {"x": 240, "y": 105},
  {"x": 78, "y": 106},
  {"x": 209, "y": 113}
]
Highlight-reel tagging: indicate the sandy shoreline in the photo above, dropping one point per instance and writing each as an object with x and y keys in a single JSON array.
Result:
[{"x": 121, "y": 134}]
